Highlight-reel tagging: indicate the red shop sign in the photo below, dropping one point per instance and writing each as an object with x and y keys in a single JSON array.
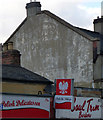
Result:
[{"x": 64, "y": 86}]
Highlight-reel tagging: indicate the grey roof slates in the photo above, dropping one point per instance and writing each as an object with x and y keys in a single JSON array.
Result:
[
  {"x": 96, "y": 35},
  {"x": 21, "y": 74}
]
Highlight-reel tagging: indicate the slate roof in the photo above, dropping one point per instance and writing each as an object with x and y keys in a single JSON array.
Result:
[
  {"x": 20, "y": 74},
  {"x": 93, "y": 34},
  {"x": 90, "y": 35}
]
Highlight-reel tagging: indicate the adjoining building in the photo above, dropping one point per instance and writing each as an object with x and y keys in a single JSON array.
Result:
[{"x": 17, "y": 79}]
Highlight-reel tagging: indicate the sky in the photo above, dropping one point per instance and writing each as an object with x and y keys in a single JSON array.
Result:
[{"x": 80, "y": 13}]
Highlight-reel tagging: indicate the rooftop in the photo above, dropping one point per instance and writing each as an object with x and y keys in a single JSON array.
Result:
[
  {"x": 20, "y": 74},
  {"x": 90, "y": 35}
]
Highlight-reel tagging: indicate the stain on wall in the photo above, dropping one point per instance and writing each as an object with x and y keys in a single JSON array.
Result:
[{"x": 54, "y": 51}]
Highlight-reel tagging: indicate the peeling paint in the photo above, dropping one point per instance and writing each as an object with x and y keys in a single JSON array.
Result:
[{"x": 54, "y": 51}]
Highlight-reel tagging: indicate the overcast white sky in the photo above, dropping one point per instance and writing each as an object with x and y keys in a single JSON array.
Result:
[{"x": 77, "y": 12}]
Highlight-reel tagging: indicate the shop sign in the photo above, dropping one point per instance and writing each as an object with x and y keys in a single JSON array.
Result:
[
  {"x": 63, "y": 102},
  {"x": 102, "y": 108},
  {"x": 25, "y": 106},
  {"x": 64, "y": 86},
  {"x": 84, "y": 108}
]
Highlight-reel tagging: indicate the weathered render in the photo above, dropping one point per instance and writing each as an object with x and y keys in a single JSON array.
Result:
[{"x": 54, "y": 50}]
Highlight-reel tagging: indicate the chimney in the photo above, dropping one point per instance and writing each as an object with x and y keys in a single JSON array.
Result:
[
  {"x": 9, "y": 55},
  {"x": 5, "y": 47},
  {"x": 98, "y": 23},
  {"x": 33, "y": 8}
]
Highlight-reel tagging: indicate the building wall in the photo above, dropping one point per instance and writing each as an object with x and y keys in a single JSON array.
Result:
[
  {"x": 102, "y": 109},
  {"x": 54, "y": 51},
  {"x": 22, "y": 88},
  {"x": 98, "y": 72},
  {"x": 97, "y": 27}
]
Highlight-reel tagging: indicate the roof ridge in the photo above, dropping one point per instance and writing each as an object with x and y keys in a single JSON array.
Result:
[
  {"x": 16, "y": 30},
  {"x": 25, "y": 74},
  {"x": 33, "y": 72},
  {"x": 86, "y": 29},
  {"x": 68, "y": 25},
  {"x": 62, "y": 21}
]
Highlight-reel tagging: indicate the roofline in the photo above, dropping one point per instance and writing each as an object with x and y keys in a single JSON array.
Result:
[
  {"x": 59, "y": 20},
  {"x": 24, "y": 94},
  {"x": 16, "y": 30},
  {"x": 26, "y": 81},
  {"x": 69, "y": 25}
]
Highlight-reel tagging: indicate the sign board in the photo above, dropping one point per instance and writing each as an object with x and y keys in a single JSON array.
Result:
[
  {"x": 63, "y": 102},
  {"x": 64, "y": 90},
  {"x": 16, "y": 106},
  {"x": 64, "y": 86},
  {"x": 102, "y": 109},
  {"x": 84, "y": 108}
]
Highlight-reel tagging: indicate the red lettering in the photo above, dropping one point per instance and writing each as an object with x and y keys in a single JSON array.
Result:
[
  {"x": 23, "y": 102},
  {"x": 91, "y": 107},
  {"x": 8, "y": 103},
  {"x": 37, "y": 103},
  {"x": 18, "y": 103},
  {"x": 80, "y": 114},
  {"x": 94, "y": 108},
  {"x": 83, "y": 105},
  {"x": 84, "y": 115},
  {"x": 79, "y": 107},
  {"x": 89, "y": 104},
  {"x": 74, "y": 106}
]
